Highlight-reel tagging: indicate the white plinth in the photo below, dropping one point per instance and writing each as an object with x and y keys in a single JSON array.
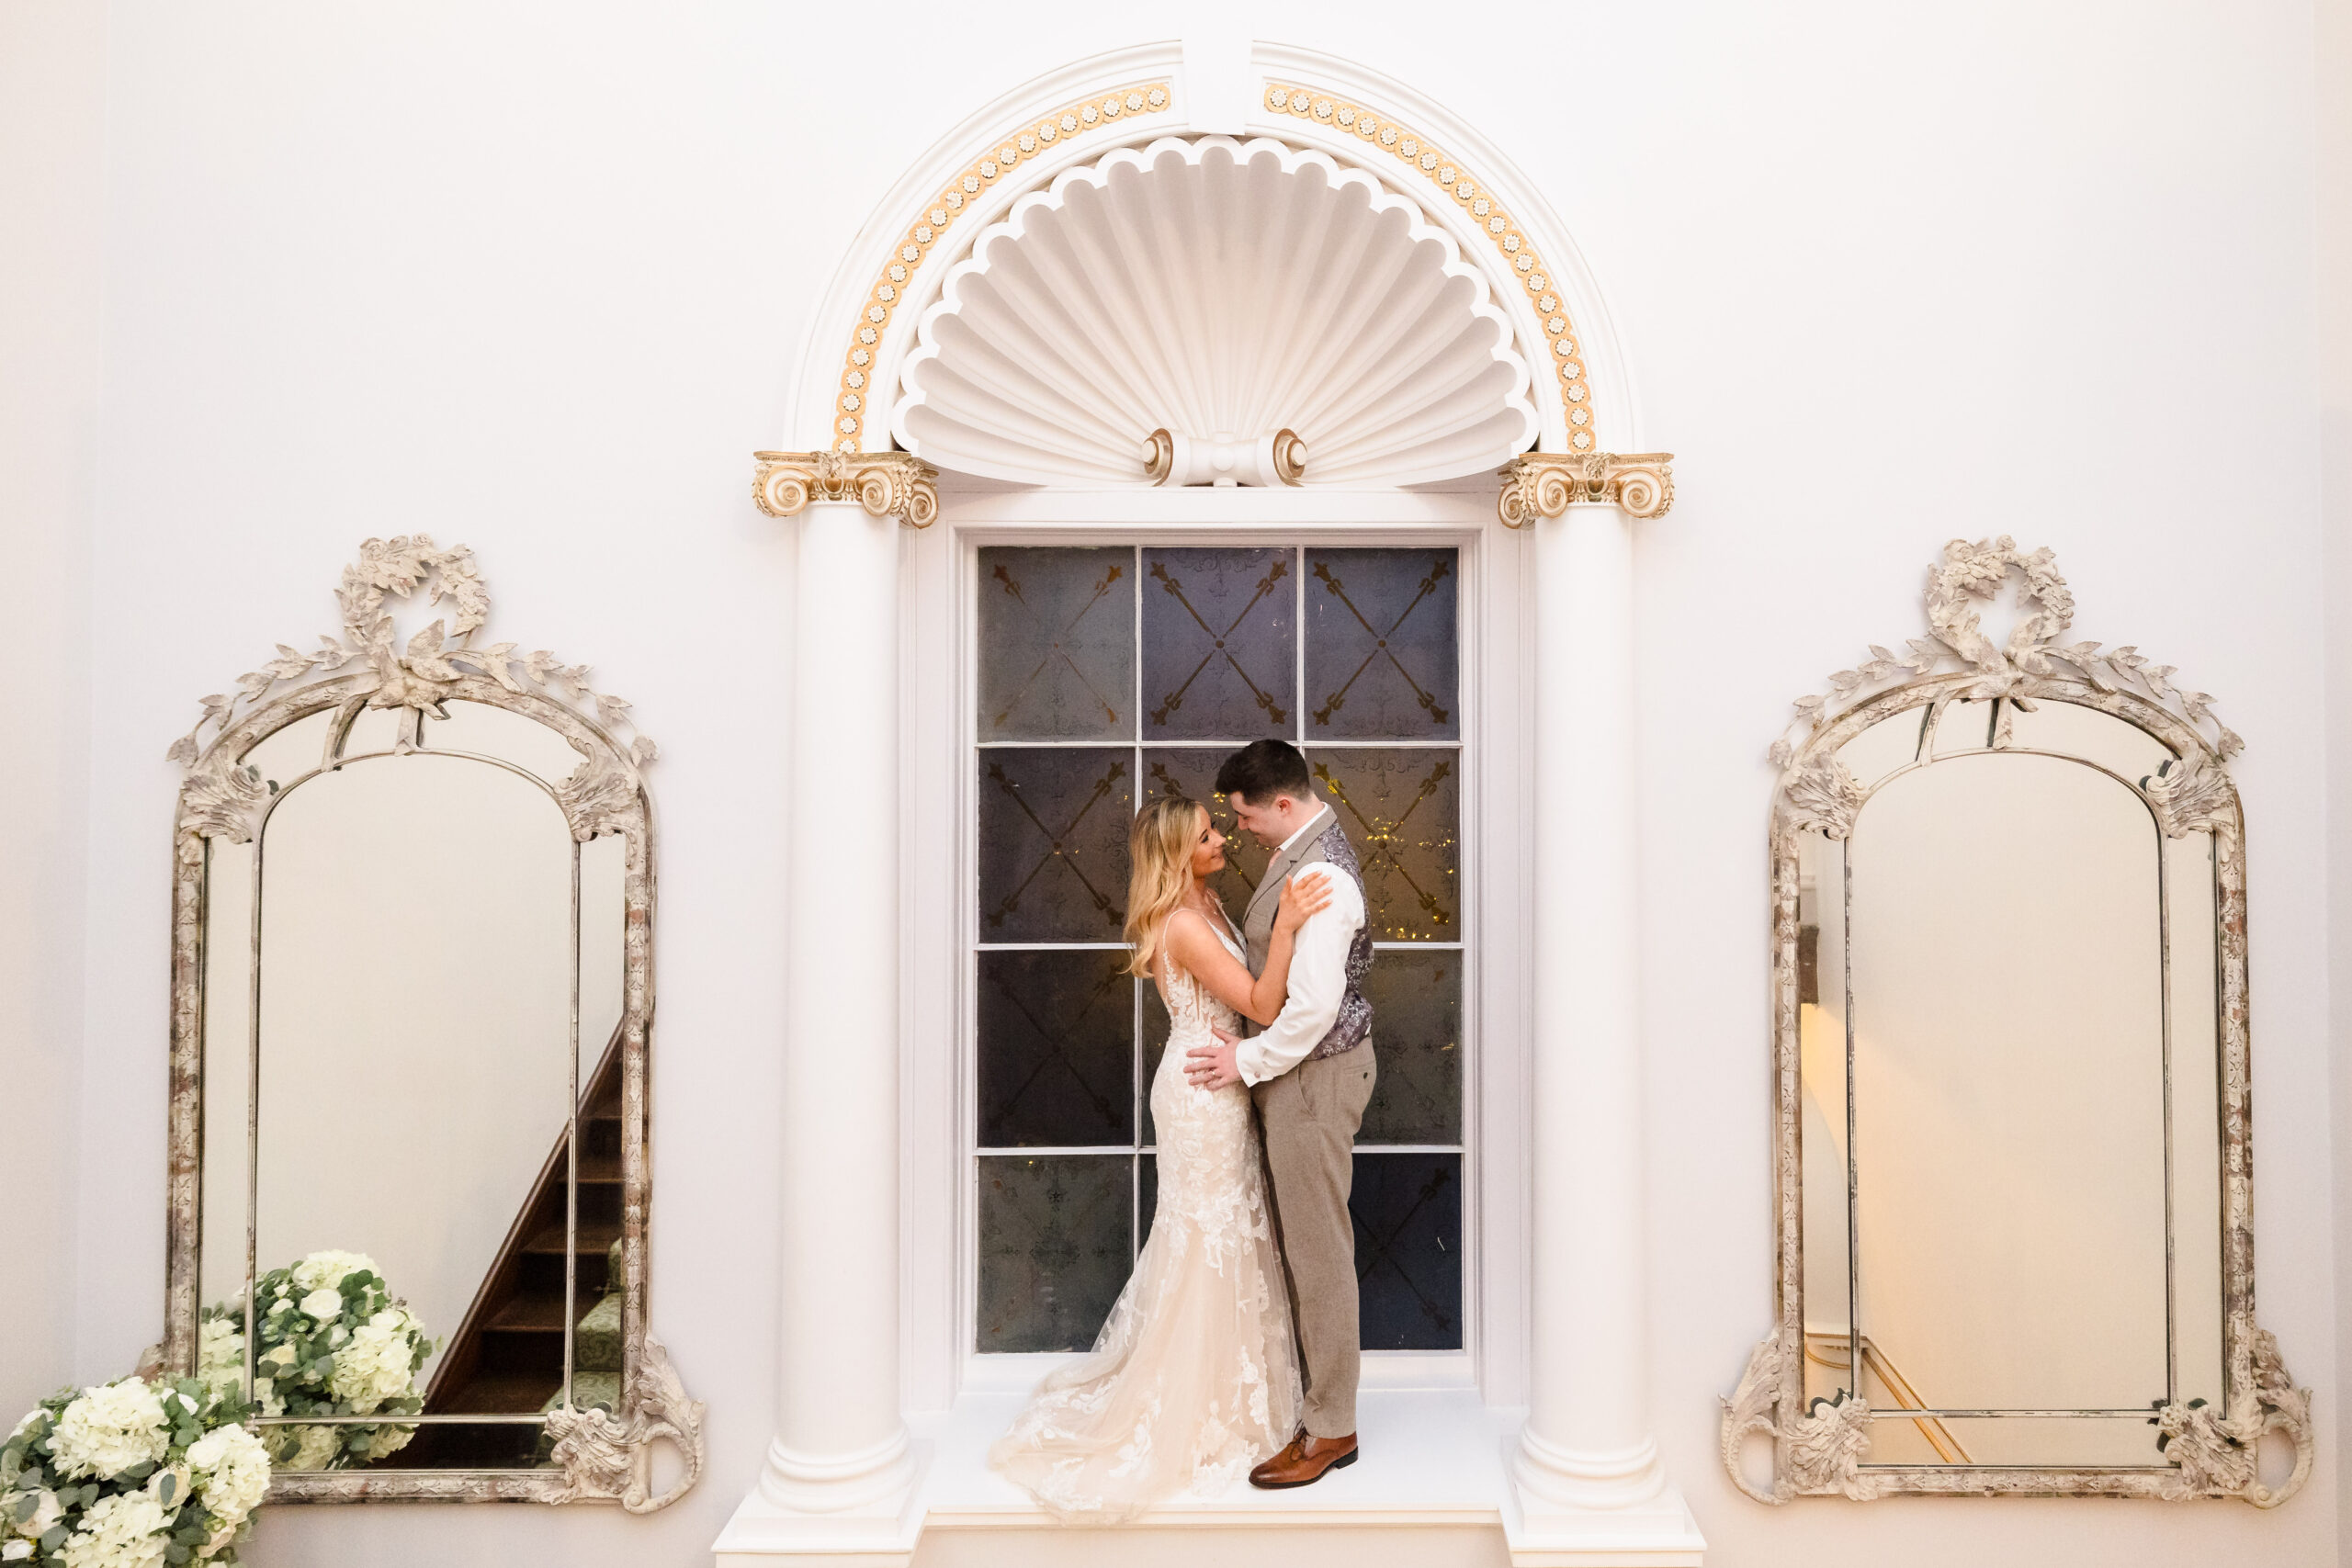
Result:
[
  {"x": 1434, "y": 1489},
  {"x": 878, "y": 1533}
]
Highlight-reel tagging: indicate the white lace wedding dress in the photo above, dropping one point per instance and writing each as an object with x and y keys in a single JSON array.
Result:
[{"x": 1194, "y": 1377}]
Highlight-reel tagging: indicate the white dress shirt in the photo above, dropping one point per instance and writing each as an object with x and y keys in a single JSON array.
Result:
[{"x": 1319, "y": 978}]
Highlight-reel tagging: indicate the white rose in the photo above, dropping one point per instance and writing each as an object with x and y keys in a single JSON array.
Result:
[
  {"x": 109, "y": 1429},
  {"x": 178, "y": 1477},
  {"x": 123, "y": 1530},
  {"x": 328, "y": 1269},
  {"x": 232, "y": 1472},
  {"x": 278, "y": 1355},
  {"x": 324, "y": 1303},
  {"x": 46, "y": 1513}
]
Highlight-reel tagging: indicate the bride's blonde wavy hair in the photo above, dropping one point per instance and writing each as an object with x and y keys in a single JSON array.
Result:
[{"x": 1159, "y": 860}]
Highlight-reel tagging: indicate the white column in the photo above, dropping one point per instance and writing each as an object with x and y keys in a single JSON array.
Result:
[
  {"x": 840, "y": 1468},
  {"x": 1585, "y": 1466}
]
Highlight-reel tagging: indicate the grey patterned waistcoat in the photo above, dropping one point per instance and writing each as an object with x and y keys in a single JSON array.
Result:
[{"x": 1322, "y": 843}]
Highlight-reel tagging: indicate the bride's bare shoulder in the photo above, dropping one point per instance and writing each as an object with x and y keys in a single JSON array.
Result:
[{"x": 1186, "y": 931}]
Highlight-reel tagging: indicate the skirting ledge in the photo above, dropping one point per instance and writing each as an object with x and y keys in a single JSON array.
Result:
[{"x": 1433, "y": 1491}]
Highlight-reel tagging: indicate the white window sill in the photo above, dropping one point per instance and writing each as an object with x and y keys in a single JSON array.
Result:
[{"x": 1431, "y": 1456}]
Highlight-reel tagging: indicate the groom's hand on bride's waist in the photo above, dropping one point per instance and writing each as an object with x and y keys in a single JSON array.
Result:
[{"x": 1212, "y": 1066}]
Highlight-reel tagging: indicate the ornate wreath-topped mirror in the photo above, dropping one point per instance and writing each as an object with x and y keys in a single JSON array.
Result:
[
  {"x": 2015, "y": 1219},
  {"x": 412, "y": 979}
]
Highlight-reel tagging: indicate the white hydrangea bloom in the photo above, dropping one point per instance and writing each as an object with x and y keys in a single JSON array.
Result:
[
  {"x": 326, "y": 1269},
  {"x": 121, "y": 1530},
  {"x": 388, "y": 1440},
  {"x": 232, "y": 1472},
  {"x": 375, "y": 1366},
  {"x": 325, "y": 1304},
  {"x": 220, "y": 1356},
  {"x": 313, "y": 1448},
  {"x": 266, "y": 1394},
  {"x": 110, "y": 1429}
]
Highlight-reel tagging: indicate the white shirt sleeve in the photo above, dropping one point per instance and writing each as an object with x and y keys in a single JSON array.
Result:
[{"x": 1319, "y": 981}]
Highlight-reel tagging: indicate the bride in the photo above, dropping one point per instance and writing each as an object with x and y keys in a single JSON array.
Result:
[{"x": 1194, "y": 1377}]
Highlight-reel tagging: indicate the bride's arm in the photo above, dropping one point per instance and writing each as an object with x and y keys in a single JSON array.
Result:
[{"x": 1192, "y": 944}]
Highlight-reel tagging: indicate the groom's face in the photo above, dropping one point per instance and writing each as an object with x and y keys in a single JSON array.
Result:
[{"x": 1267, "y": 823}]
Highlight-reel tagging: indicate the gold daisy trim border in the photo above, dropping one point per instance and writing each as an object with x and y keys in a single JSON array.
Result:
[
  {"x": 850, "y": 414},
  {"x": 1449, "y": 176}
]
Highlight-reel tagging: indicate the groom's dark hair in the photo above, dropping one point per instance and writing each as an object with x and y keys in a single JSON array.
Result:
[{"x": 1265, "y": 769}]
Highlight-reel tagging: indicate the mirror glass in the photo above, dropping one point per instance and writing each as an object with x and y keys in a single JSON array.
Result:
[
  {"x": 414, "y": 999},
  {"x": 2008, "y": 1131}
]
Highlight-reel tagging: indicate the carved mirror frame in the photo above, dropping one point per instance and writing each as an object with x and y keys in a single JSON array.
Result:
[
  {"x": 597, "y": 1456},
  {"x": 1820, "y": 1447}
]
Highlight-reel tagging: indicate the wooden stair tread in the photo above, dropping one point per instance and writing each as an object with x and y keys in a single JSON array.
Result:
[
  {"x": 530, "y": 1315},
  {"x": 502, "y": 1393},
  {"x": 595, "y": 1237}
]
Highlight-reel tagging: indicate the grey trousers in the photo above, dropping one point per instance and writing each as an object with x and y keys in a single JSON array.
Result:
[{"x": 1310, "y": 1116}]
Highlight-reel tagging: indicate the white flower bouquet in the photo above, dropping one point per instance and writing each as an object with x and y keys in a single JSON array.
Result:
[
  {"x": 330, "y": 1342},
  {"x": 130, "y": 1474}
]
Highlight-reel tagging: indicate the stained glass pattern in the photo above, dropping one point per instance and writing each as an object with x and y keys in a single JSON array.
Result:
[
  {"x": 1056, "y": 1245},
  {"x": 1057, "y": 633},
  {"x": 1402, "y": 806},
  {"x": 1053, "y": 843},
  {"x": 1191, "y": 772},
  {"x": 1417, "y": 1029},
  {"x": 1220, "y": 660},
  {"x": 1057, "y": 1056},
  {"x": 1408, "y": 1209},
  {"x": 1383, "y": 659}
]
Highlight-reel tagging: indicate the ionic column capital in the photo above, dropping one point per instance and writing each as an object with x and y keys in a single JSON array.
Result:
[
  {"x": 888, "y": 484},
  {"x": 1545, "y": 484}
]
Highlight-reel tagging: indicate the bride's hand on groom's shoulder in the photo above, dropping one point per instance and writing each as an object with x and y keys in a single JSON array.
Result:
[{"x": 1306, "y": 893}]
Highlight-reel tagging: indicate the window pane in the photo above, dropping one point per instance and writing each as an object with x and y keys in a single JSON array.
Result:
[
  {"x": 1402, "y": 810},
  {"x": 1053, "y": 842},
  {"x": 1219, "y": 659},
  {"x": 1407, "y": 1210},
  {"x": 1381, "y": 658},
  {"x": 1054, "y": 1248},
  {"x": 1156, "y": 1029},
  {"x": 1417, "y": 1029},
  {"x": 1057, "y": 1049},
  {"x": 1191, "y": 772},
  {"x": 1057, "y": 644}
]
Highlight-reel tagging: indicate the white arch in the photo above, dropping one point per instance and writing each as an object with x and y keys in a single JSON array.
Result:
[
  {"x": 1314, "y": 299},
  {"x": 962, "y": 180}
]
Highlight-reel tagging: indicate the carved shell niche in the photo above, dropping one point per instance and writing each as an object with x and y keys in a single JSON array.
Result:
[{"x": 1224, "y": 292}]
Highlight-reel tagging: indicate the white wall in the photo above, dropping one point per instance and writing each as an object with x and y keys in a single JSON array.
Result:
[
  {"x": 2332, "y": 186},
  {"x": 52, "y": 146},
  {"x": 536, "y": 280}
]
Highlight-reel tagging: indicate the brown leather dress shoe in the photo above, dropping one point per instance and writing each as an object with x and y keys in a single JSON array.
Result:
[{"x": 1305, "y": 1461}]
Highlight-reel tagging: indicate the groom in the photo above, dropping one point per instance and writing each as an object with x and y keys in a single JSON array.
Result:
[{"x": 1311, "y": 1073}]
